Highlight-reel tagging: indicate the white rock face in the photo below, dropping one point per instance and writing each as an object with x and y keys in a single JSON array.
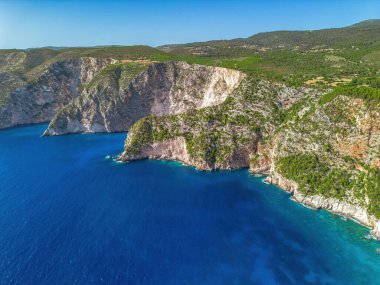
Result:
[
  {"x": 163, "y": 89},
  {"x": 177, "y": 86},
  {"x": 333, "y": 205},
  {"x": 339, "y": 207},
  {"x": 376, "y": 230}
]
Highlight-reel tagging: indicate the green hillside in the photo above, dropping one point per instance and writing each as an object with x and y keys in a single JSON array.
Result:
[
  {"x": 329, "y": 56},
  {"x": 362, "y": 34},
  {"x": 321, "y": 58}
]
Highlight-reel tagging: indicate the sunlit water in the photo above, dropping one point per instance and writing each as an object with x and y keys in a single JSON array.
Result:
[{"x": 68, "y": 215}]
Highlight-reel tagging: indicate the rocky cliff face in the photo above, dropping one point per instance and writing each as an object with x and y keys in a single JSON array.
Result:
[
  {"x": 321, "y": 147},
  {"x": 225, "y": 136},
  {"x": 326, "y": 154},
  {"x": 177, "y": 149},
  {"x": 118, "y": 98},
  {"x": 38, "y": 101}
]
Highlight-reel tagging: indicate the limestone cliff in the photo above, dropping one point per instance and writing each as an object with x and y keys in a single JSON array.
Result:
[
  {"x": 321, "y": 146},
  {"x": 27, "y": 102},
  {"x": 125, "y": 93},
  {"x": 331, "y": 153},
  {"x": 225, "y": 136},
  {"x": 325, "y": 152}
]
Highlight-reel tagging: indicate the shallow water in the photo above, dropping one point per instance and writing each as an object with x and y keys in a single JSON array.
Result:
[{"x": 70, "y": 216}]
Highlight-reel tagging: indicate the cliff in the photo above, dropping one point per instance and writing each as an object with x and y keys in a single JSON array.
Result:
[
  {"x": 324, "y": 149},
  {"x": 321, "y": 145},
  {"x": 331, "y": 151},
  {"x": 35, "y": 101},
  {"x": 124, "y": 93},
  {"x": 225, "y": 136}
]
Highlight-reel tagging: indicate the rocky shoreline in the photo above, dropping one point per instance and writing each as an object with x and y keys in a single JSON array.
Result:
[
  {"x": 332, "y": 205},
  {"x": 278, "y": 130},
  {"x": 175, "y": 150},
  {"x": 215, "y": 118}
]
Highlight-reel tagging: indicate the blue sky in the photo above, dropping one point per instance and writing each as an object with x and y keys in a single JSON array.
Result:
[{"x": 25, "y": 24}]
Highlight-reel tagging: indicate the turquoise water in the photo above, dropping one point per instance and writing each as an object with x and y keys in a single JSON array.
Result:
[{"x": 68, "y": 215}]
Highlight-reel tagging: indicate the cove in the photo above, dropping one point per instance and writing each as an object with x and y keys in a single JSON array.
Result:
[{"x": 68, "y": 215}]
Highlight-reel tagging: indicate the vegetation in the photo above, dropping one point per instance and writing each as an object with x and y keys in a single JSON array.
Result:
[
  {"x": 291, "y": 57},
  {"x": 373, "y": 81},
  {"x": 345, "y": 60},
  {"x": 212, "y": 134},
  {"x": 294, "y": 57},
  {"x": 118, "y": 75},
  {"x": 294, "y": 67},
  {"x": 363, "y": 92},
  {"x": 371, "y": 182},
  {"x": 361, "y": 35},
  {"x": 314, "y": 177}
]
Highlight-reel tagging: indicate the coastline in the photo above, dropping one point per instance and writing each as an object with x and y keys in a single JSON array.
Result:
[
  {"x": 343, "y": 209},
  {"x": 234, "y": 205}
]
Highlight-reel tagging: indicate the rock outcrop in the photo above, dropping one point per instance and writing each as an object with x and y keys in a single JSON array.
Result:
[
  {"x": 38, "y": 101},
  {"x": 342, "y": 136},
  {"x": 325, "y": 153},
  {"x": 177, "y": 149},
  {"x": 226, "y": 136},
  {"x": 119, "y": 98}
]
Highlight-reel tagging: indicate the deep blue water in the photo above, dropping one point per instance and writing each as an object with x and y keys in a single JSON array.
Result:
[{"x": 68, "y": 215}]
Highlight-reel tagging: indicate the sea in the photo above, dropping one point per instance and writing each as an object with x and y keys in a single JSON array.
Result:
[{"x": 70, "y": 214}]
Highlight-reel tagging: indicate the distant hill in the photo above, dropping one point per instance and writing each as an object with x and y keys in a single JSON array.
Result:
[
  {"x": 363, "y": 34},
  {"x": 33, "y": 61}
]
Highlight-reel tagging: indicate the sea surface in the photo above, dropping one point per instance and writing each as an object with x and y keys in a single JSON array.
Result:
[{"x": 69, "y": 215}]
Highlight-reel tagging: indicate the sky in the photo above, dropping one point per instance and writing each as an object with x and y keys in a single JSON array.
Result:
[{"x": 38, "y": 23}]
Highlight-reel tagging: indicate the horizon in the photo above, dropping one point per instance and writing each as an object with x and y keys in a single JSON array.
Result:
[
  {"x": 116, "y": 23},
  {"x": 168, "y": 44}
]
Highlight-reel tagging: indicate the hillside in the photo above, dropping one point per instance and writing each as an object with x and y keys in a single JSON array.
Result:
[
  {"x": 22, "y": 67},
  {"x": 362, "y": 34},
  {"x": 301, "y": 107},
  {"x": 324, "y": 56},
  {"x": 36, "y": 83}
]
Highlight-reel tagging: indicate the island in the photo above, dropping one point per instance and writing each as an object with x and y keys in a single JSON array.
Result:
[{"x": 301, "y": 108}]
